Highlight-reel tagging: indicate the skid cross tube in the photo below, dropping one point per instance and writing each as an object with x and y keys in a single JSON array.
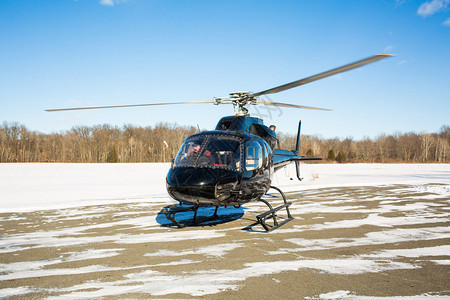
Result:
[
  {"x": 272, "y": 212},
  {"x": 171, "y": 211}
]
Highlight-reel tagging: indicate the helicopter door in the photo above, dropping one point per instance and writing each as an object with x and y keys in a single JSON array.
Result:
[
  {"x": 253, "y": 158},
  {"x": 268, "y": 159},
  {"x": 255, "y": 181}
]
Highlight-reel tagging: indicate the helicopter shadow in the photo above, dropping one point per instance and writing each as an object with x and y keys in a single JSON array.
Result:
[{"x": 203, "y": 218}]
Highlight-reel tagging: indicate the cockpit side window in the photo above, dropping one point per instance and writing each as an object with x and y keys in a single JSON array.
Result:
[
  {"x": 224, "y": 125},
  {"x": 253, "y": 156},
  {"x": 265, "y": 154},
  {"x": 268, "y": 154}
]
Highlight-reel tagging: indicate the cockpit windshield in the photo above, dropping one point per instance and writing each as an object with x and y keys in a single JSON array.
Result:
[{"x": 210, "y": 151}]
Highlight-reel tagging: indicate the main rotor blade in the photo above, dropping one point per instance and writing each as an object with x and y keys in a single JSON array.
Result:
[
  {"x": 291, "y": 105},
  {"x": 323, "y": 75},
  {"x": 130, "y": 105}
]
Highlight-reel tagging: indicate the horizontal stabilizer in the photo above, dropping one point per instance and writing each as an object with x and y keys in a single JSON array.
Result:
[{"x": 306, "y": 158}]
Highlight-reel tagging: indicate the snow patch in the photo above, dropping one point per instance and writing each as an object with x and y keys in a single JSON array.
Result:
[{"x": 435, "y": 189}]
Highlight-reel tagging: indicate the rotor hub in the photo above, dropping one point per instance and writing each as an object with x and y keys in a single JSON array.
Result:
[{"x": 239, "y": 101}]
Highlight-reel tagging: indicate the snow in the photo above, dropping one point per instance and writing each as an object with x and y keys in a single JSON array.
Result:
[
  {"x": 415, "y": 208},
  {"x": 350, "y": 296},
  {"x": 32, "y": 187},
  {"x": 337, "y": 175},
  {"x": 218, "y": 250},
  {"x": 390, "y": 236}
]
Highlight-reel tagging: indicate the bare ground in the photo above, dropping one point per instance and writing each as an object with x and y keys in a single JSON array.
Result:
[{"x": 367, "y": 241}]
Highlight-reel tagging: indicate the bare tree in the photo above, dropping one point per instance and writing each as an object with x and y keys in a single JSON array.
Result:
[{"x": 146, "y": 144}]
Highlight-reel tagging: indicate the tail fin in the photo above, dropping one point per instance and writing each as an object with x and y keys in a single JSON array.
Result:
[{"x": 297, "y": 146}]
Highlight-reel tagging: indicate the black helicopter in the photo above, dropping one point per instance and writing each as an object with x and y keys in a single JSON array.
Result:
[{"x": 234, "y": 163}]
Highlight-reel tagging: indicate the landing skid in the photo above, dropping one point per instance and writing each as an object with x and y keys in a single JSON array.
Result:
[
  {"x": 271, "y": 213},
  {"x": 172, "y": 210}
]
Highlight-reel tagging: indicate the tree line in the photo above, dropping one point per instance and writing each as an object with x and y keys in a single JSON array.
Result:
[
  {"x": 93, "y": 144},
  {"x": 395, "y": 148},
  {"x": 106, "y": 143}
]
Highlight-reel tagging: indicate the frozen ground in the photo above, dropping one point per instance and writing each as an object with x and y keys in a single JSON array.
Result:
[
  {"x": 30, "y": 187},
  {"x": 93, "y": 230}
]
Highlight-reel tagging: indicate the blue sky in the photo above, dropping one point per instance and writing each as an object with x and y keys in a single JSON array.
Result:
[{"x": 66, "y": 53}]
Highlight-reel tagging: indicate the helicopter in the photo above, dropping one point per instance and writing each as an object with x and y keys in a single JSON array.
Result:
[{"x": 234, "y": 163}]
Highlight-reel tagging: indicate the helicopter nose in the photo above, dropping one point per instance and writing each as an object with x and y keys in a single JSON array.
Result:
[
  {"x": 225, "y": 187},
  {"x": 180, "y": 177},
  {"x": 200, "y": 185}
]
